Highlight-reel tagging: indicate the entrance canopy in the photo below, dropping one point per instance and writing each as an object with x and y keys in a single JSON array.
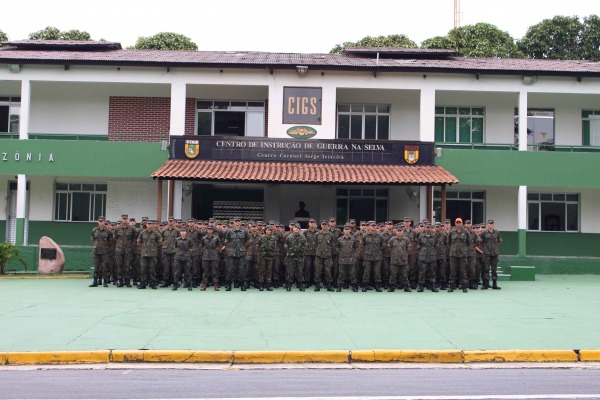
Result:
[{"x": 281, "y": 172}]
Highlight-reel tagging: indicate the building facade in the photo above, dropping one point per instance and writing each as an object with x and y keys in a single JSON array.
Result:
[{"x": 89, "y": 129}]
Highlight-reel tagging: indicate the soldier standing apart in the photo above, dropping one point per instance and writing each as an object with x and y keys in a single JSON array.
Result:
[
  {"x": 399, "y": 250},
  {"x": 184, "y": 249},
  {"x": 427, "y": 258},
  {"x": 101, "y": 237},
  {"x": 372, "y": 256},
  {"x": 124, "y": 236},
  {"x": 210, "y": 245},
  {"x": 347, "y": 246},
  {"x": 169, "y": 234},
  {"x": 323, "y": 244},
  {"x": 149, "y": 241},
  {"x": 267, "y": 248},
  {"x": 236, "y": 242},
  {"x": 459, "y": 242},
  {"x": 294, "y": 260},
  {"x": 491, "y": 241}
]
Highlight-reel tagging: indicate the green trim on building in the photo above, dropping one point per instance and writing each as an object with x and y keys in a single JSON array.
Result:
[
  {"x": 553, "y": 265},
  {"x": 63, "y": 233},
  {"x": 20, "y": 231},
  {"x": 522, "y": 237},
  {"x": 81, "y": 158},
  {"x": 3, "y": 230},
  {"x": 76, "y": 259},
  {"x": 563, "y": 244},
  {"x": 522, "y": 168}
]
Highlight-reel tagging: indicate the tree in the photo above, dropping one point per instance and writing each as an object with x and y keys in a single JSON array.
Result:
[
  {"x": 477, "y": 40},
  {"x": 557, "y": 38},
  {"x": 590, "y": 38},
  {"x": 399, "y": 40},
  {"x": 52, "y": 33},
  {"x": 3, "y": 36},
  {"x": 9, "y": 252},
  {"x": 165, "y": 41},
  {"x": 48, "y": 33}
]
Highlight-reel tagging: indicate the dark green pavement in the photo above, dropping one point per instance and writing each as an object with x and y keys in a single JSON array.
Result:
[{"x": 554, "y": 312}]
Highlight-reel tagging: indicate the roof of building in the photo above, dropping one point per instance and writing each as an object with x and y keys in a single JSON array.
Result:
[
  {"x": 356, "y": 59},
  {"x": 246, "y": 171}
]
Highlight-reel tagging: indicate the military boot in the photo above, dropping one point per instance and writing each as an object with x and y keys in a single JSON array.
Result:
[
  {"x": 94, "y": 283},
  {"x": 407, "y": 289},
  {"x": 105, "y": 284},
  {"x": 228, "y": 287},
  {"x": 420, "y": 288},
  {"x": 164, "y": 284},
  {"x": 330, "y": 288},
  {"x": 391, "y": 288},
  {"x": 451, "y": 289},
  {"x": 261, "y": 287},
  {"x": 378, "y": 288},
  {"x": 243, "y": 286},
  {"x": 302, "y": 287},
  {"x": 120, "y": 283},
  {"x": 495, "y": 285},
  {"x": 175, "y": 286},
  {"x": 339, "y": 288},
  {"x": 355, "y": 288},
  {"x": 269, "y": 288},
  {"x": 486, "y": 285},
  {"x": 317, "y": 286},
  {"x": 128, "y": 282},
  {"x": 203, "y": 287},
  {"x": 216, "y": 286},
  {"x": 288, "y": 287}
]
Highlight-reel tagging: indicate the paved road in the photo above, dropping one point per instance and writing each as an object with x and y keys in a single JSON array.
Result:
[
  {"x": 362, "y": 384},
  {"x": 554, "y": 312}
]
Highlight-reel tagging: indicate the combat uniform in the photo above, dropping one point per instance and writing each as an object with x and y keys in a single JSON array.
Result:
[
  {"x": 210, "y": 245},
  {"x": 101, "y": 238},
  {"x": 148, "y": 240},
  {"x": 427, "y": 260},
  {"x": 372, "y": 257},
  {"x": 294, "y": 260},
  {"x": 267, "y": 248},
  {"x": 347, "y": 247},
  {"x": 310, "y": 254},
  {"x": 399, "y": 250},
  {"x": 323, "y": 262},
  {"x": 169, "y": 234},
  {"x": 491, "y": 240},
  {"x": 124, "y": 237},
  {"x": 459, "y": 242},
  {"x": 236, "y": 241},
  {"x": 184, "y": 247}
]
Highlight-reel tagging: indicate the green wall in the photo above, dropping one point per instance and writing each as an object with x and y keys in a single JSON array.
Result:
[
  {"x": 76, "y": 259},
  {"x": 563, "y": 244},
  {"x": 63, "y": 233},
  {"x": 522, "y": 168},
  {"x": 553, "y": 265},
  {"x": 82, "y": 158},
  {"x": 2, "y": 230}
]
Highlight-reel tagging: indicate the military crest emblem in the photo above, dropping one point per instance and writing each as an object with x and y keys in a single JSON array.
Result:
[
  {"x": 411, "y": 154},
  {"x": 192, "y": 148}
]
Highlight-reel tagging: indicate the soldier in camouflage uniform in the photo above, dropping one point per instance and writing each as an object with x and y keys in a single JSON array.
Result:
[
  {"x": 386, "y": 235},
  {"x": 169, "y": 234},
  {"x": 441, "y": 250},
  {"x": 101, "y": 238},
  {"x": 323, "y": 243},
  {"x": 134, "y": 271},
  {"x": 459, "y": 241},
  {"x": 210, "y": 245},
  {"x": 347, "y": 246},
  {"x": 252, "y": 254},
  {"x": 427, "y": 258},
  {"x": 358, "y": 235},
  {"x": 490, "y": 239},
  {"x": 267, "y": 248},
  {"x": 372, "y": 257},
  {"x": 472, "y": 254},
  {"x": 411, "y": 235},
  {"x": 399, "y": 250},
  {"x": 336, "y": 232},
  {"x": 112, "y": 259},
  {"x": 294, "y": 260},
  {"x": 124, "y": 237},
  {"x": 310, "y": 251},
  {"x": 236, "y": 242},
  {"x": 149, "y": 240},
  {"x": 184, "y": 249}
]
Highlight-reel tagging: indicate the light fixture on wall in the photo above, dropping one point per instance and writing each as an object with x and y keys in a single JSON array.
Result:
[
  {"x": 14, "y": 68},
  {"x": 529, "y": 80},
  {"x": 301, "y": 70}
]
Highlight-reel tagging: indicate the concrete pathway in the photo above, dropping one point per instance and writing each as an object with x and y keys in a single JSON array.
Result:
[{"x": 554, "y": 312}]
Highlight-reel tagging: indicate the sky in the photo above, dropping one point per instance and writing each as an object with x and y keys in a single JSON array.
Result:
[{"x": 294, "y": 26}]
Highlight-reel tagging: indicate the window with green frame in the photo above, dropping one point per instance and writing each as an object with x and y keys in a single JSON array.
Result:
[
  {"x": 590, "y": 128},
  {"x": 459, "y": 124}
]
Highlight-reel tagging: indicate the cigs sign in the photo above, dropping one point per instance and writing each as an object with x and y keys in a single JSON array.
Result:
[{"x": 302, "y": 105}]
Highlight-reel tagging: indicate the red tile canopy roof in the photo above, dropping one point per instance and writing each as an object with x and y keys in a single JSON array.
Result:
[{"x": 247, "y": 171}]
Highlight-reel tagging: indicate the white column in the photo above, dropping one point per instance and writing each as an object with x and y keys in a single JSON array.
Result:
[
  {"x": 522, "y": 207},
  {"x": 427, "y": 115},
  {"x": 422, "y": 203},
  {"x": 25, "y": 107},
  {"x": 274, "y": 127},
  {"x": 178, "y": 93},
  {"x": 21, "y": 195},
  {"x": 177, "y": 199},
  {"x": 523, "y": 121}
]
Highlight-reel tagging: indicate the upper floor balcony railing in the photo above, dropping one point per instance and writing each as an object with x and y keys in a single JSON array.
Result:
[{"x": 514, "y": 147}]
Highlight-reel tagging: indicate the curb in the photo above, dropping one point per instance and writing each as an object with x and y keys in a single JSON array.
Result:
[{"x": 296, "y": 356}]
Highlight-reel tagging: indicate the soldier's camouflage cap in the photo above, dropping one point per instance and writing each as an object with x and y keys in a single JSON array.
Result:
[
  {"x": 144, "y": 218},
  {"x": 312, "y": 220},
  {"x": 347, "y": 226},
  {"x": 101, "y": 218},
  {"x": 324, "y": 222},
  {"x": 210, "y": 227},
  {"x": 124, "y": 216}
]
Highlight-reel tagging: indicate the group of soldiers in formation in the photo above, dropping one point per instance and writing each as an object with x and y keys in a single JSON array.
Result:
[{"x": 264, "y": 255}]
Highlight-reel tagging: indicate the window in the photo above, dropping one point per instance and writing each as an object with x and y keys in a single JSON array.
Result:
[
  {"x": 590, "y": 135},
  {"x": 557, "y": 212},
  {"x": 460, "y": 204},
  {"x": 363, "y": 121},
  {"x": 10, "y": 109},
  {"x": 231, "y": 118},
  {"x": 540, "y": 129},
  {"x": 361, "y": 204},
  {"x": 81, "y": 202},
  {"x": 459, "y": 124}
]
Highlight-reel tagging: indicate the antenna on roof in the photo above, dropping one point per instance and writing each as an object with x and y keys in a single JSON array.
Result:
[{"x": 457, "y": 13}]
